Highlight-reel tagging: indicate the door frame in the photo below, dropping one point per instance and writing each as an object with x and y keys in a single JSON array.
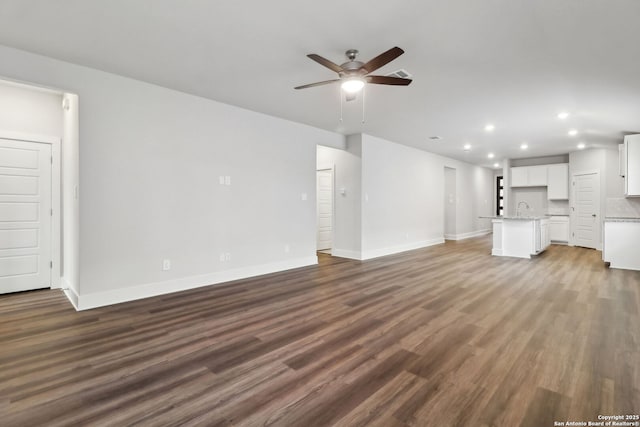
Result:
[
  {"x": 332, "y": 168},
  {"x": 572, "y": 208},
  {"x": 56, "y": 205}
]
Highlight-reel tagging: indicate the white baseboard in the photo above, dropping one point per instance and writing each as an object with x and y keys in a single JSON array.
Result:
[
  {"x": 469, "y": 235},
  {"x": 345, "y": 253},
  {"x": 496, "y": 252},
  {"x": 375, "y": 253},
  {"x": 70, "y": 292},
  {"x": 116, "y": 296}
]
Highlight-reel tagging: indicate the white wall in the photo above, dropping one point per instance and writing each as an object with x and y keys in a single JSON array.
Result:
[
  {"x": 150, "y": 159},
  {"x": 347, "y": 215},
  {"x": 450, "y": 202},
  {"x": 29, "y": 110},
  {"x": 395, "y": 197},
  {"x": 535, "y": 161},
  {"x": 614, "y": 182},
  {"x": 403, "y": 197},
  {"x": 605, "y": 162},
  {"x": 475, "y": 190},
  {"x": 403, "y": 193}
]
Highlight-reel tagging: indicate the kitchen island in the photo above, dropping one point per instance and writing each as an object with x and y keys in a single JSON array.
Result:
[{"x": 520, "y": 236}]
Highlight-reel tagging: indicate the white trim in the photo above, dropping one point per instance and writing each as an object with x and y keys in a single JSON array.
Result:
[
  {"x": 29, "y": 85},
  {"x": 469, "y": 235},
  {"x": 130, "y": 293},
  {"x": 70, "y": 293},
  {"x": 56, "y": 189},
  {"x": 496, "y": 252},
  {"x": 375, "y": 253},
  {"x": 29, "y": 137},
  {"x": 346, "y": 253}
]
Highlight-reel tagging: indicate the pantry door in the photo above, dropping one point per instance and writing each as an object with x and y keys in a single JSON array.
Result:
[{"x": 25, "y": 215}]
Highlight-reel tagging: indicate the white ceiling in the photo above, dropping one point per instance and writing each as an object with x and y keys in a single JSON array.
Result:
[{"x": 514, "y": 63}]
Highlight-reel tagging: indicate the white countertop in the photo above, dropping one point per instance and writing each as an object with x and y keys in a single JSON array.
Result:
[
  {"x": 621, "y": 219},
  {"x": 518, "y": 218}
]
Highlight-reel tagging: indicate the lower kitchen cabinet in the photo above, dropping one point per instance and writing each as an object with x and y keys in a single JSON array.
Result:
[
  {"x": 621, "y": 237},
  {"x": 559, "y": 229}
]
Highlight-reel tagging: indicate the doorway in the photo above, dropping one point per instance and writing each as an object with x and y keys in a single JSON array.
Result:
[
  {"x": 586, "y": 210},
  {"x": 450, "y": 203},
  {"x": 26, "y": 215},
  {"x": 324, "y": 210}
]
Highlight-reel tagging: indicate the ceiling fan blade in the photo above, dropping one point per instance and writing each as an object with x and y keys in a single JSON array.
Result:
[
  {"x": 383, "y": 59},
  {"x": 388, "y": 80},
  {"x": 323, "y": 61},
  {"x": 326, "y": 82}
]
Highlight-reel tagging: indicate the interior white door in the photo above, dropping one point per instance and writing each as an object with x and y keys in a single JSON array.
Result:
[
  {"x": 25, "y": 216},
  {"x": 586, "y": 210},
  {"x": 324, "y": 193}
]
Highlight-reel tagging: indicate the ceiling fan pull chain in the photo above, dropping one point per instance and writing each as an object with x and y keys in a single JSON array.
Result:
[
  {"x": 364, "y": 89},
  {"x": 340, "y": 97}
]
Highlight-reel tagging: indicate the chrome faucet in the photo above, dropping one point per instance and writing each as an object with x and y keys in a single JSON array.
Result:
[{"x": 526, "y": 205}]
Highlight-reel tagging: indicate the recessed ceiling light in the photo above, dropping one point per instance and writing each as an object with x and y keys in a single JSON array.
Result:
[
  {"x": 489, "y": 128},
  {"x": 435, "y": 138},
  {"x": 491, "y": 155},
  {"x": 581, "y": 146},
  {"x": 467, "y": 147},
  {"x": 524, "y": 146},
  {"x": 496, "y": 165},
  {"x": 563, "y": 115},
  {"x": 573, "y": 132}
]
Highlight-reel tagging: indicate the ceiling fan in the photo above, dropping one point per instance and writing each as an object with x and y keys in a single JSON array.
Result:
[{"x": 354, "y": 74}]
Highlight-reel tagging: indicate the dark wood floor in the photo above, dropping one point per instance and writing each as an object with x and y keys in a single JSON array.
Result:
[{"x": 442, "y": 336}]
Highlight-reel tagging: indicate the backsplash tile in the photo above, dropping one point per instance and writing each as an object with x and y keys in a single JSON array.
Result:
[
  {"x": 623, "y": 207},
  {"x": 558, "y": 207}
]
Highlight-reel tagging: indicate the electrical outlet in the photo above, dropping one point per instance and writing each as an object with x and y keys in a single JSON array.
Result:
[
  {"x": 221, "y": 178},
  {"x": 166, "y": 265},
  {"x": 286, "y": 248},
  {"x": 227, "y": 256},
  {"x": 304, "y": 196},
  {"x": 227, "y": 180},
  {"x": 222, "y": 257}
]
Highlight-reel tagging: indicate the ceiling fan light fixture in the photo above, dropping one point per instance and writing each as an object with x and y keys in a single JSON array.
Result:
[{"x": 352, "y": 85}]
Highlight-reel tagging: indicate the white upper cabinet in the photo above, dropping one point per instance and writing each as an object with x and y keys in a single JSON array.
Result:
[
  {"x": 529, "y": 176},
  {"x": 632, "y": 158},
  {"x": 558, "y": 179},
  {"x": 555, "y": 177},
  {"x": 537, "y": 176},
  {"x": 520, "y": 177}
]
